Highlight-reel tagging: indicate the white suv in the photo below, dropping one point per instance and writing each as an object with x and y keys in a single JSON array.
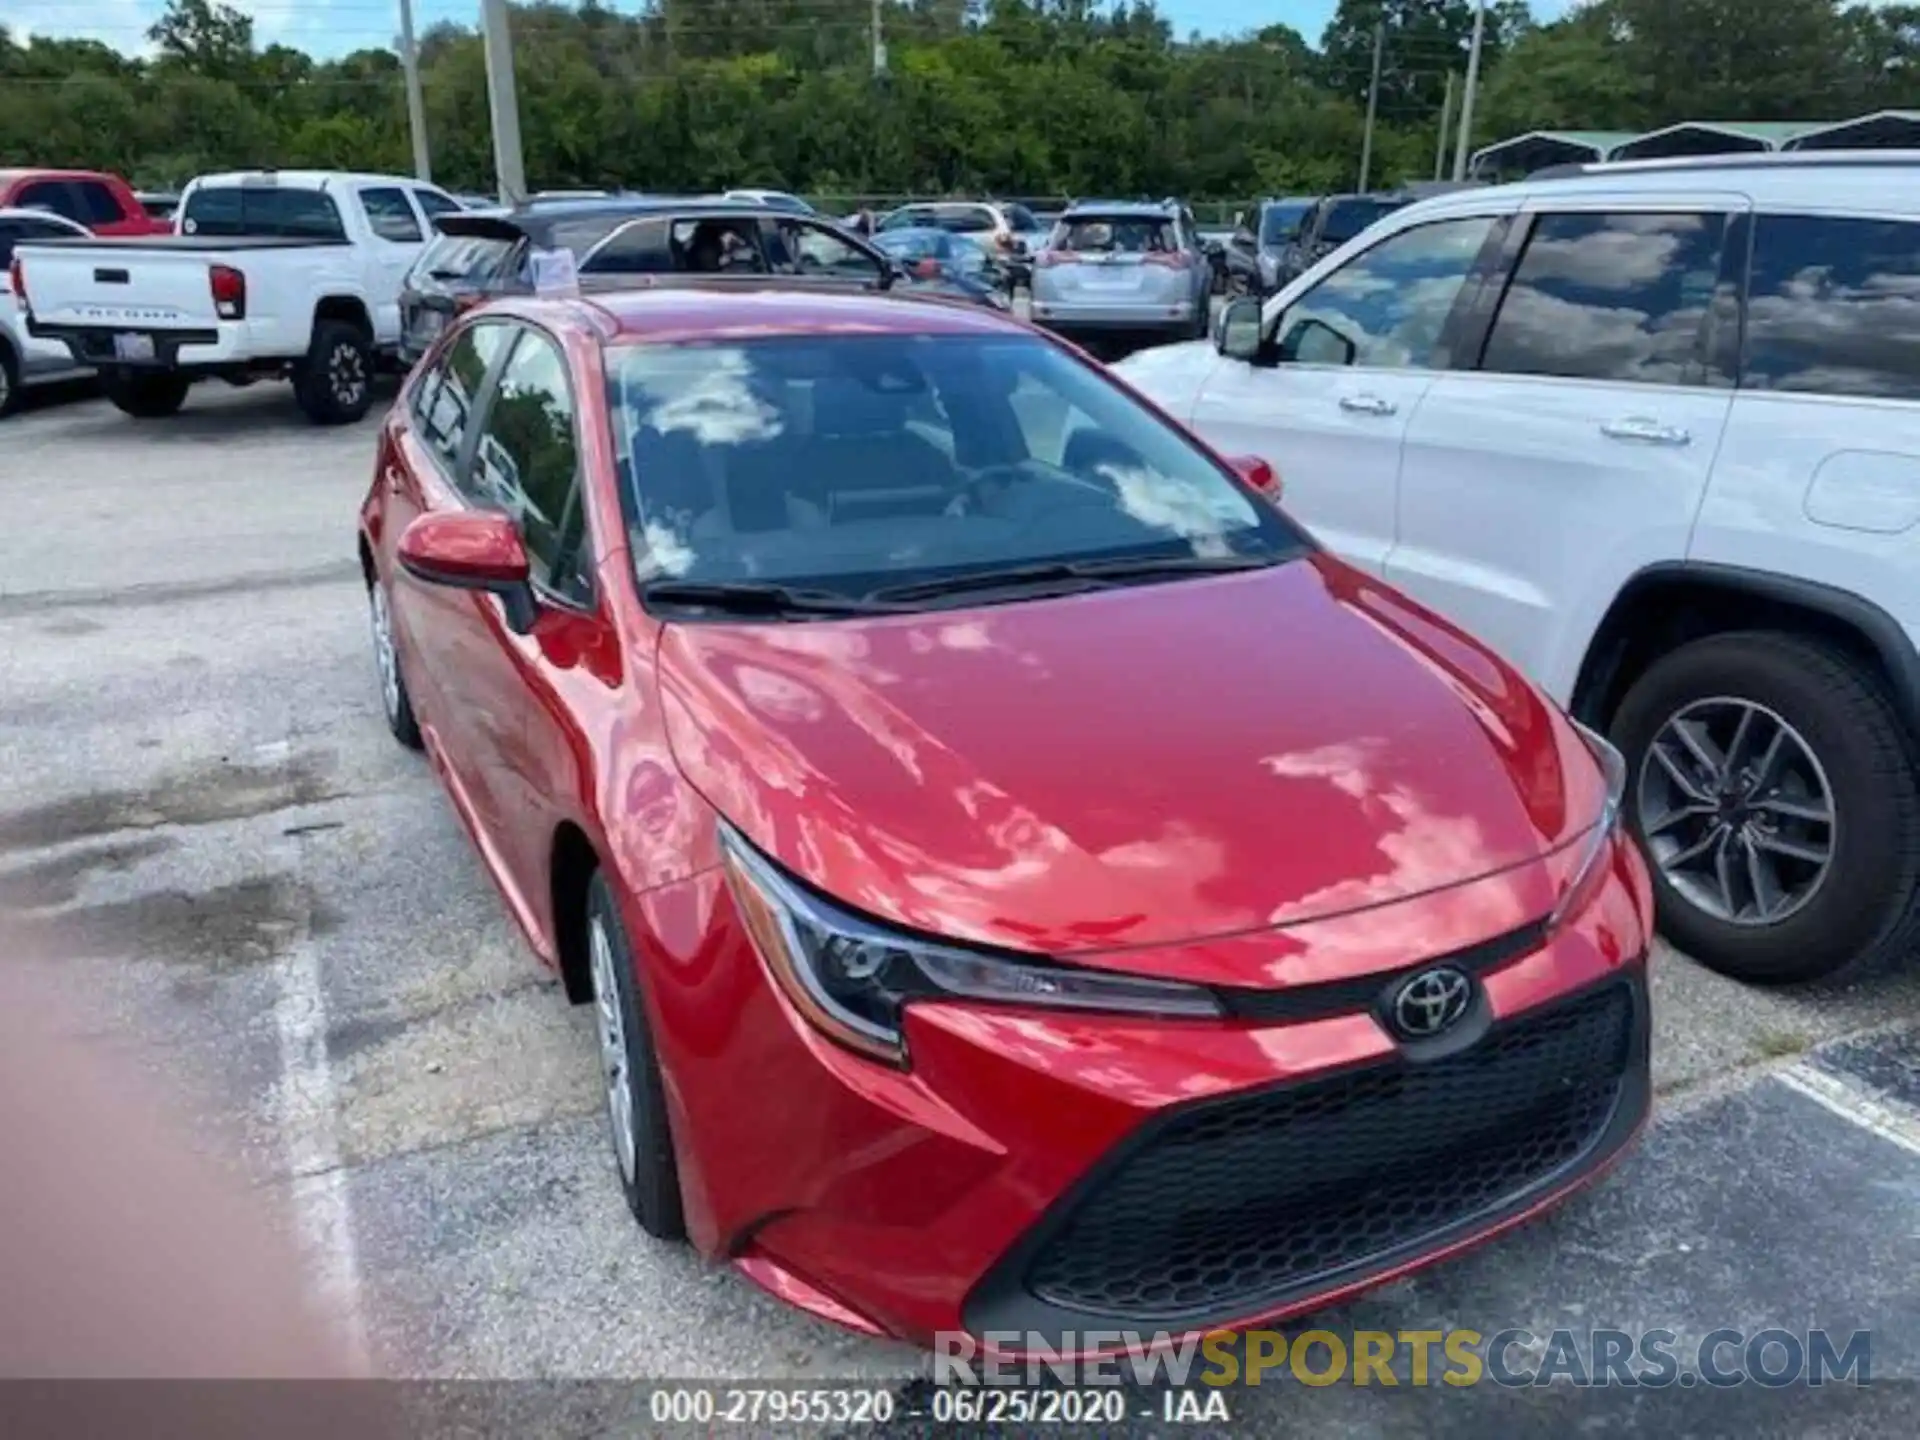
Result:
[{"x": 1653, "y": 431}]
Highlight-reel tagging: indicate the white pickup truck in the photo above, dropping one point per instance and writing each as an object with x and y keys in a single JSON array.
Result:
[{"x": 293, "y": 274}]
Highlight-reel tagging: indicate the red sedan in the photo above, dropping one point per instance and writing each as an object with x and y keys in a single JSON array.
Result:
[{"x": 1025, "y": 885}]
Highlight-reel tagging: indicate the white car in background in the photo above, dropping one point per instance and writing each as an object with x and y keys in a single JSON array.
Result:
[
  {"x": 25, "y": 360},
  {"x": 1653, "y": 431}
]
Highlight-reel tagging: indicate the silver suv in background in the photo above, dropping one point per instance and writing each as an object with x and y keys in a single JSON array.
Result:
[{"x": 1117, "y": 272}]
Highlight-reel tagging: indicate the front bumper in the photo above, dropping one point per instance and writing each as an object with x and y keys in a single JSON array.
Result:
[{"x": 1051, "y": 1174}]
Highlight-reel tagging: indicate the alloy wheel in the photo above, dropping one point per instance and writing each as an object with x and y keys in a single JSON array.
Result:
[
  {"x": 613, "y": 1047},
  {"x": 383, "y": 651},
  {"x": 1737, "y": 811},
  {"x": 347, "y": 370}
]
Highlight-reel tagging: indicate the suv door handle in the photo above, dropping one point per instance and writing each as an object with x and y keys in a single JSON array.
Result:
[
  {"x": 1649, "y": 432},
  {"x": 1367, "y": 405}
]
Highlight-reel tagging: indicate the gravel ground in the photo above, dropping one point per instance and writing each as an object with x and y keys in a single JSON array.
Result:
[{"x": 204, "y": 815}]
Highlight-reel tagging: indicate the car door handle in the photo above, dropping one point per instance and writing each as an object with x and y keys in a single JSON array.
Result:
[
  {"x": 1647, "y": 432},
  {"x": 1367, "y": 405}
]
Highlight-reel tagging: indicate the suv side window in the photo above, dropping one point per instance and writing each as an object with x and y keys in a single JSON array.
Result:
[
  {"x": 390, "y": 216},
  {"x": 1386, "y": 308},
  {"x": 96, "y": 203},
  {"x": 800, "y": 248},
  {"x": 527, "y": 463},
  {"x": 51, "y": 195},
  {"x": 1610, "y": 297},
  {"x": 1833, "y": 307},
  {"x": 444, "y": 401}
]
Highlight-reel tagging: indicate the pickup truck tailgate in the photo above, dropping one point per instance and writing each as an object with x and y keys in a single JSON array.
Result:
[{"x": 111, "y": 286}]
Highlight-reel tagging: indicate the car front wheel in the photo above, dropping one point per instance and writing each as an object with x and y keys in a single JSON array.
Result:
[
  {"x": 394, "y": 699},
  {"x": 630, "y": 1072},
  {"x": 1771, "y": 787}
]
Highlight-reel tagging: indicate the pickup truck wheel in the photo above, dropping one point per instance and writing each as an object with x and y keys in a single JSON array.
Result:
[
  {"x": 1771, "y": 786},
  {"x": 9, "y": 381},
  {"x": 145, "y": 396},
  {"x": 334, "y": 384}
]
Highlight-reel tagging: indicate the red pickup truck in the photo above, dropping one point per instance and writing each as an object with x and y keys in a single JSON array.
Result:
[{"x": 102, "y": 203}]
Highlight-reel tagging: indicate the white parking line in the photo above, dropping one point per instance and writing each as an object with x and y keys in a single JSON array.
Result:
[
  {"x": 305, "y": 1108},
  {"x": 1894, "y": 1124}
]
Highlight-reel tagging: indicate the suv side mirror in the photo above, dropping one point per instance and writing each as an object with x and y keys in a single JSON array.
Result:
[
  {"x": 1242, "y": 327},
  {"x": 472, "y": 550}
]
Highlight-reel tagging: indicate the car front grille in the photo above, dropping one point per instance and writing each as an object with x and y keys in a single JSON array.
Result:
[{"x": 1232, "y": 1206}]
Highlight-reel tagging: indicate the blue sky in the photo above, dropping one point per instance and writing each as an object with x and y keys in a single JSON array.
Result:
[{"x": 331, "y": 27}]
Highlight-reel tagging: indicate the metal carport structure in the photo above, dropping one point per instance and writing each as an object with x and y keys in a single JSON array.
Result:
[
  {"x": 1711, "y": 137},
  {"x": 1882, "y": 130},
  {"x": 1537, "y": 149}
]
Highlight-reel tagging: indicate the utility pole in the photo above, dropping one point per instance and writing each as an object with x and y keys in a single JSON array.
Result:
[
  {"x": 416, "y": 101},
  {"x": 1446, "y": 114},
  {"x": 879, "y": 44},
  {"x": 1373, "y": 103},
  {"x": 1473, "y": 86},
  {"x": 503, "y": 99}
]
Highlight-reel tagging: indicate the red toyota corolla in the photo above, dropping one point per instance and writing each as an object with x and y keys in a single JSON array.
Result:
[{"x": 1025, "y": 885}]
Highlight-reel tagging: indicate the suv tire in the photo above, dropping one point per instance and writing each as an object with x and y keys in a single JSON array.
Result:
[
  {"x": 334, "y": 384},
  {"x": 145, "y": 395},
  {"x": 10, "y": 386},
  {"x": 1821, "y": 737}
]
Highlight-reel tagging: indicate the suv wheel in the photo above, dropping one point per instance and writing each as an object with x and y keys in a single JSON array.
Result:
[
  {"x": 145, "y": 396},
  {"x": 1770, "y": 784},
  {"x": 9, "y": 381},
  {"x": 334, "y": 384}
]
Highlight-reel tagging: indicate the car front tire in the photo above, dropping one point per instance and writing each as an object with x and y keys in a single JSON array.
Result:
[
  {"x": 630, "y": 1073},
  {"x": 10, "y": 386},
  {"x": 394, "y": 699},
  {"x": 1772, "y": 787}
]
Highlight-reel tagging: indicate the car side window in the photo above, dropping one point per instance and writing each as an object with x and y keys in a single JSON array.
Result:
[
  {"x": 433, "y": 204},
  {"x": 527, "y": 463},
  {"x": 804, "y": 249},
  {"x": 390, "y": 216},
  {"x": 443, "y": 404},
  {"x": 51, "y": 195},
  {"x": 728, "y": 246},
  {"x": 1833, "y": 307},
  {"x": 97, "y": 204},
  {"x": 1610, "y": 297},
  {"x": 1386, "y": 308}
]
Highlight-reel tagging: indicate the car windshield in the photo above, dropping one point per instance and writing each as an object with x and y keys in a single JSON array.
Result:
[
  {"x": 471, "y": 259},
  {"x": 1120, "y": 234},
  {"x": 854, "y": 463},
  {"x": 1279, "y": 223},
  {"x": 1347, "y": 218},
  {"x": 917, "y": 244}
]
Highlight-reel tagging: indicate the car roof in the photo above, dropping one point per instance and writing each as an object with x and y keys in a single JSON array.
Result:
[
  {"x": 1867, "y": 180},
  {"x": 49, "y": 172},
  {"x": 1145, "y": 209},
  {"x": 693, "y": 311},
  {"x": 305, "y": 179}
]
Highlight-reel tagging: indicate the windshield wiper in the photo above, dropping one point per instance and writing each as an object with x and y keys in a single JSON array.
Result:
[
  {"x": 747, "y": 597},
  {"x": 1054, "y": 572}
]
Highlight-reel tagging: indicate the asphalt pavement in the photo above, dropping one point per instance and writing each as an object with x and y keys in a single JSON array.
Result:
[{"x": 202, "y": 813}]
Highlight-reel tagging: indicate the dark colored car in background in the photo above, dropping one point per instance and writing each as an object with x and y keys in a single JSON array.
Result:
[
  {"x": 1328, "y": 224},
  {"x": 1252, "y": 260},
  {"x": 103, "y": 203},
  {"x": 479, "y": 255}
]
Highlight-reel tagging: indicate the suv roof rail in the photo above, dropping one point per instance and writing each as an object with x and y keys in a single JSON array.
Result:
[{"x": 1749, "y": 160}]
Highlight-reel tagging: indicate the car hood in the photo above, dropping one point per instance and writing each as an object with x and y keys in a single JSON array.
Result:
[
  {"x": 1123, "y": 770},
  {"x": 1170, "y": 375}
]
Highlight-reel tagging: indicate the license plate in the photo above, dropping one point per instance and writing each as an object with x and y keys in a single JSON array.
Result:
[{"x": 133, "y": 347}]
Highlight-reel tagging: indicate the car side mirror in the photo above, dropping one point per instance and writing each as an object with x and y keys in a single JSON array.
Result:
[
  {"x": 1242, "y": 326},
  {"x": 1259, "y": 473},
  {"x": 472, "y": 550}
]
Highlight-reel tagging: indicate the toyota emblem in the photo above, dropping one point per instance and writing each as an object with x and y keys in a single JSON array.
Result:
[{"x": 1431, "y": 1003}]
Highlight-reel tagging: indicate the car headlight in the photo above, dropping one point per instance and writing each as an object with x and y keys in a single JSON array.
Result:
[
  {"x": 852, "y": 977},
  {"x": 1596, "y": 846}
]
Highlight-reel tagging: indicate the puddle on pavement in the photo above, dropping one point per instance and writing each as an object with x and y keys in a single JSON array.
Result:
[
  {"x": 200, "y": 797},
  {"x": 224, "y": 928},
  {"x": 47, "y": 883}
]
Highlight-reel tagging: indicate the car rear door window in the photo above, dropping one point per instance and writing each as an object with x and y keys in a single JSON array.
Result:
[
  {"x": 96, "y": 203},
  {"x": 1610, "y": 297},
  {"x": 727, "y": 245},
  {"x": 443, "y": 405},
  {"x": 1387, "y": 307},
  {"x": 390, "y": 216},
  {"x": 798, "y": 248},
  {"x": 527, "y": 463},
  {"x": 1833, "y": 307}
]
